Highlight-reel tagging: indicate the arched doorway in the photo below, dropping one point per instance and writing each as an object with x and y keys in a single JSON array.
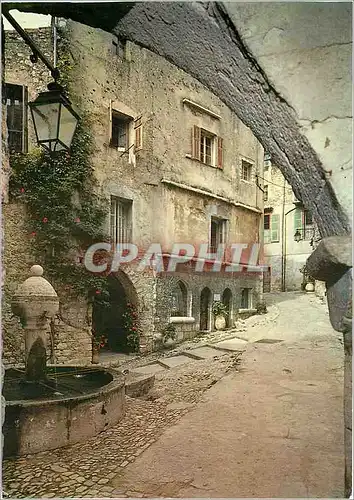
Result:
[
  {"x": 179, "y": 300},
  {"x": 108, "y": 318},
  {"x": 205, "y": 302},
  {"x": 227, "y": 301}
]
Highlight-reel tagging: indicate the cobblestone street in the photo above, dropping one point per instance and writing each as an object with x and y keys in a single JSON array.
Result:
[
  {"x": 86, "y": 469},
  {"x": 299, "y": 370}
]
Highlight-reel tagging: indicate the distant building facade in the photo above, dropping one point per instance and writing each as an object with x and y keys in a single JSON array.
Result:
[{"x": 289, "y": 233}]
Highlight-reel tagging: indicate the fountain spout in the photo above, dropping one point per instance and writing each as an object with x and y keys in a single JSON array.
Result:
[{"x": 35, "y": 302}]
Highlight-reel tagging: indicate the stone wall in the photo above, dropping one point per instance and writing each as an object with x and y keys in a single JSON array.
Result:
[
  {"x": 140, "y": 83},
  {"x": 173, "y": 195},
  {"x": 71, "y": 337}
]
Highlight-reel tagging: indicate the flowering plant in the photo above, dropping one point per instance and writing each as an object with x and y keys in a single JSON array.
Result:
[
  {"x": 99, "y": 341},
  {"x": 132, "y": 327}
]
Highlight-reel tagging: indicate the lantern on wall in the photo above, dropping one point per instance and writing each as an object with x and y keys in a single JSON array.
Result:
[
  {"x": 297, "y": 236},
  {"x": 54, "y": 119}
]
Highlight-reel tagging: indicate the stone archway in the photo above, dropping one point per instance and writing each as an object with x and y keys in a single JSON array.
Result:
[{"x": 110, "y": 319}]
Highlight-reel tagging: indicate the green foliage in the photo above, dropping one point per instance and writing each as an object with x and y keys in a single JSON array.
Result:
[
  {"x": 65, "y": 215},
  {"x": 169, "y": 332},
  {"x": 131, "y": 324},
  {"x": 219, "y": 308}
]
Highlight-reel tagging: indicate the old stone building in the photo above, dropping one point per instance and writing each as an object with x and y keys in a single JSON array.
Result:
[
  {"x": 175, "y": 165},
  {"x": 290, "y": 233}
]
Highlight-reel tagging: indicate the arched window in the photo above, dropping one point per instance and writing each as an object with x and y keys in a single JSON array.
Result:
[{"x": 179, "y": 299}]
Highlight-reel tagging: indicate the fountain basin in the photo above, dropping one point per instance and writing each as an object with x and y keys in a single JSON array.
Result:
[{"x": 75, "y": 405}]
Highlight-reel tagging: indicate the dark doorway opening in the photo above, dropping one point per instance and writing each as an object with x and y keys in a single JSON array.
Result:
[
  {"x": 109, "y": 319},
  {"x": 267, "y": 280},
  {"x": 227, "y": 301},
  {"x": 205, "y": 301}
]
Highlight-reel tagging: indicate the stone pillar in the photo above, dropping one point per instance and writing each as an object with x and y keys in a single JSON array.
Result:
[
  {"x": 332, "y": 262},
  {"x": 35, "y": 302}
]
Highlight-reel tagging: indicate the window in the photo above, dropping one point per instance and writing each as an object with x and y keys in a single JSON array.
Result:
[
  {"x": 16, "y": 117},
  {"x": 246, "y": 298},
  {"x": 207, "y": 147},
  {"x": 246, "y": 170},
  {"x": 120, "y": 131},
  {"x": 217, "y": 233},
  {"x": 179, "y": 300},
  {"x": 121, "y": 220},
  {"x": 267, "y": 221},
  {"x": 265, "y": 193},
  {"x": 271, "y": 228},
  {"x": 303, "y": 222}
]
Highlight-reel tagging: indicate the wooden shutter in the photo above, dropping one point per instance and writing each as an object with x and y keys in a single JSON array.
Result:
[
  {"x": 220, "y": 153},
  {"x": 196, "y": 137},
  {"x": 298, "y": 220},
  {"x": 110, "y": 122},
  {"x": 24, "y": 119},
  {"x": 138, "y": 133},
  {"x": 274, "y": 227}
]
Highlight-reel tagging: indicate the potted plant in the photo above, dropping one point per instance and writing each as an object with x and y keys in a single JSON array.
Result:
[
  {"x": 98, "y": 341},
  {"x": 169, "y": 335},
  {"x": 220, "y": 313}
]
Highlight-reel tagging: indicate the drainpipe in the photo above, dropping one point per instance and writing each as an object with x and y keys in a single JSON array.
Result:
[{"x": 283, "y": 285}]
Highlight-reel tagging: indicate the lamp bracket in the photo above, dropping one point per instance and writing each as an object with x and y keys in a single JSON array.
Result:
[{"x": 36, "y": 52}]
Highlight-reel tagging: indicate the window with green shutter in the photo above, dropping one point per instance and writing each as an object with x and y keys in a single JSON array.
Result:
[
  {"x": 298, "y": 220},
  {"x": 274, "y": 233}
]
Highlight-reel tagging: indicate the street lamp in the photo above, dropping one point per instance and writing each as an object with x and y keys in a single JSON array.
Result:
[
  {"x": 54, "y": 119},
  {"x": 297, "y": 236}
]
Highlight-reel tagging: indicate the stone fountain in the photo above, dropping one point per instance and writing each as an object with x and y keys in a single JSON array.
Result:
[{"x": 47, "y": 407}]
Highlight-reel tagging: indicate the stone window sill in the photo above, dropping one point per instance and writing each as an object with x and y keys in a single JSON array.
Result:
[{"x": 181, "y": 319}]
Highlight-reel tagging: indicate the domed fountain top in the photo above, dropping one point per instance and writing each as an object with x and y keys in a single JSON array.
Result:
[{"x": 36, "y": 285}]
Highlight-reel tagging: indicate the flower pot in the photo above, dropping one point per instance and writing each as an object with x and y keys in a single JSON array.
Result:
[
  {"x": 310, "y": 287},
  {"x": 220, "y": 322},
  {"x": 95, "y": 356}
]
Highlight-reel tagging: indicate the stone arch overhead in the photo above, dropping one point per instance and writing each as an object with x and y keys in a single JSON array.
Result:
[{"x": 201, "y": 39}]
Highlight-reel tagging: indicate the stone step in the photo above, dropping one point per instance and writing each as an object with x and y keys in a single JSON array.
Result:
[
  {"x": 153, "y": 368},
  {"x": 207, "y": 352},
  {"x": 231, "y": 345},
  {"x": 175, "y": 361}
]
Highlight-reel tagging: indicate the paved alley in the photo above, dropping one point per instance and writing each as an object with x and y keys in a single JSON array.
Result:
[{"x": 266, "y": 421}]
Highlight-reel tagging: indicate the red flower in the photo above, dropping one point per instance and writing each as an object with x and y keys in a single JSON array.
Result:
[
  {"x": 97, "y": 292},
  {"x": 22, "y": 190},
  {"x": 45, "y": 219},
  {"x": 33, "y": 233},
  {"x": 77, "y": 219},
  {"x": 133, "y": 328}
]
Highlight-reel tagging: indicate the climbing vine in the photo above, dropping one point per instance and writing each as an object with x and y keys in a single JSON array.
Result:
[{"x": 65, "y": 213}]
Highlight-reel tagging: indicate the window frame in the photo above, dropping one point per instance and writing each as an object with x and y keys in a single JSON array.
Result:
[
  {"x": 249, "y": 297},
  {"x": 268, "y": 236},
  {"x": 123, "y": 120},
  {"x": 221, "y": 235},
  {"x": 127, "y": 231},
  {"x": 200, "y": 135},
  {"x": 250, "y": 169},
  {"x": 22, "y": 131}
]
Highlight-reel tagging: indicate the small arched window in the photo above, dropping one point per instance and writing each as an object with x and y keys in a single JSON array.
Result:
[{"x": 179, "y": 299}]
